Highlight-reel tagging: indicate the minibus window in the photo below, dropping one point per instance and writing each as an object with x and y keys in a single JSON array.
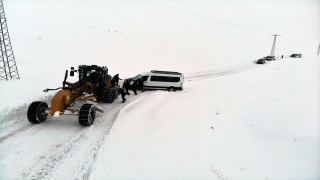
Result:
[
  {"x": 165, "y": 79},
  {"x": 145, "y": 78}
]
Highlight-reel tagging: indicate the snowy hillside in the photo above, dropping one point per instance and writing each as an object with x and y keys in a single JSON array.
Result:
[
  {"x": 234, "y": 119},
  {"x": 259, "y": 124}
]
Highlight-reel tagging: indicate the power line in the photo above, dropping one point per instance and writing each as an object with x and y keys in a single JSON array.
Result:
[
  {"x": 177, "y": 11},
  {"x": 298, "y": 43},
  {"x": 189, "y": 14}
]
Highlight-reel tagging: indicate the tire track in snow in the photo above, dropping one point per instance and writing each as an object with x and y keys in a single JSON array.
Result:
[
  {"x": 107, "y": 120},
  {"x": 14, "y": 133},
  {"x": 222, "y": 72},
  {"x": 84, "y": 168},
  {"x": 47, "y": 161},
  {"x": 84, "y": 143}
]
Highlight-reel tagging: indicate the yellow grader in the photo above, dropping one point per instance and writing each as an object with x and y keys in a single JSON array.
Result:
[{"x": 94, "y": 84}]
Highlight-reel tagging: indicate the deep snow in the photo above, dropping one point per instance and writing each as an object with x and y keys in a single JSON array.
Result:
[
  {"x": 233, "y": 120},
  {"x": 260, "y": 124}
]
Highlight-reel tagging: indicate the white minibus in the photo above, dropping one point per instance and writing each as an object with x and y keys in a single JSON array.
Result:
[{"x": 161, "y": 80}]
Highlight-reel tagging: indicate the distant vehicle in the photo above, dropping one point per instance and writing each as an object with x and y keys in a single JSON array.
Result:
[
  {"x": 155, "y": 79},
  {"x": 261, "y": 61},
  {"x": 270, "y": 58},
  {"x": 296, "y": 55}
]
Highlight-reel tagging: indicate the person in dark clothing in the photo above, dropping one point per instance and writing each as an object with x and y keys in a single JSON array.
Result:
[
  {"x": 139, "y": 84},
  {"x": 140, "y": 80},
  {"x": 134, "y": 86},
  {"x": 123, "y": 94},
  {"x": 115, "y": 80},
  {"x": 126, "y": 86},
  {"x": 113, "y": 83},
  {"x": 282, "y": 56}
]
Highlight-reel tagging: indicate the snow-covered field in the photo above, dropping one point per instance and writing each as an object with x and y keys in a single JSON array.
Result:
[
  {"x": 259, "y": 124},
  {"x": 234, "y": 119}
]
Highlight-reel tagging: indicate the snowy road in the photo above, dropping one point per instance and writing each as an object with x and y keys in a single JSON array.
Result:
[
  {"x": 222, "y": 72},
  {"x": 51, "y": 149},
  {"x": 60, "y": 147}
]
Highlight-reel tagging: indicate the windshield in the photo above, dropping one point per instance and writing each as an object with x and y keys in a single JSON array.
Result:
[
  {"x": 136, "y": 77},
  {"x": 86, "y": 73},
  {"x": 90, "y": 71}
]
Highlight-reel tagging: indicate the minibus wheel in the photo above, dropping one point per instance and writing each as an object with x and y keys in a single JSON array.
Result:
[{"x": 171, "y": 89}]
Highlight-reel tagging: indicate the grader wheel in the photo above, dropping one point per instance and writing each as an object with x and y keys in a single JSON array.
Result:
[
  {"x": 87, "y": 114},
  {"x": 115, "y": 93},
  {"x": 109, "y": 96},
  {"x": 37, "y": 112}
]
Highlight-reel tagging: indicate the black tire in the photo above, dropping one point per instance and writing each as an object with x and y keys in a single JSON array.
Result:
[
  {"x": 171, "y": 89},
  {"x": 116, "y": 94},
  {"x": 36, "y": 112},
  {"x": 87, "y": 114},
  {"x": 109, "y": 96}
]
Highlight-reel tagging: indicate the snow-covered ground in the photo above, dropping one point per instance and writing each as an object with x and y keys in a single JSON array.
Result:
[
  {"x": 259, "y": 124},
  {"x": 234, "y": 119}
]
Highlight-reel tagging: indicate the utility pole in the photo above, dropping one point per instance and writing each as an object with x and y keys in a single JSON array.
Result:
[
  {"x": 274, "y": 44},
  {"x": 318, "y": 49},
  {"x": 8, "y": 67}
]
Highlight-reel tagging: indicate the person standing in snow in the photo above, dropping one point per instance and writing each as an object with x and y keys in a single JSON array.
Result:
[
  {"x": 140, "y": 83},
  {"x": 123, "y": 94},
  {"x": 134, "y": 86},
  {"x": 115, "y": 80},
  {"x": 126, "y": 86},
  {"x": 282, "y": 56}
]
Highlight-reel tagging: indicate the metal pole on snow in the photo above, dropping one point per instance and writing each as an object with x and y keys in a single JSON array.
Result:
[{"x": 274, "y": 44}]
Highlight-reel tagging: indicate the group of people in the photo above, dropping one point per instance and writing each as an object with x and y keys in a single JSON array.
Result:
[{"x": 127, "y": 85}]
